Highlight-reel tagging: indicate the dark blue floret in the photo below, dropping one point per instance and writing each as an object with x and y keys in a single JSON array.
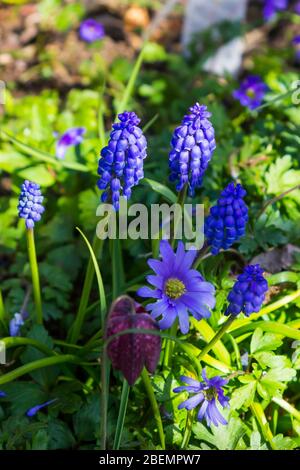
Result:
[
  {"x": 248, "y": 293},
  {"x": 193, "y": 144},
  {"x": 227, "y": 220},
  {"x": 122, "y": 160},
  {"x": 30, "y": 203}
]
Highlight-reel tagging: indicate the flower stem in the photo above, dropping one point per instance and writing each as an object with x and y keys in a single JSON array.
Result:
[
  {"x": 3, "y": 316},
  {"x": 155, "y": 407},
  {"x": 35, "y": 275},
  {"x": 188, "y": 429},
  {"x": 200, "y": 255},
  {"x": 122, "y": 414},
  {"x": 259, "y": 414},
  {"x": 287, "y": 407},
  {"x": 217, "y": 337},
  {"x": 170, "y": 346},
  {"x": 86, "y": 291},
  {"x": 174, "y": 226}
]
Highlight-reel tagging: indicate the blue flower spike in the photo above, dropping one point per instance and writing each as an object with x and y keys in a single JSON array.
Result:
[
  {"x": 193, "y": 144},
  {"x": 122, "y": 160},
  {"x": 248, "y": 292},
  {"x": 30, "y": 203},
  {"x": 227, "y": 220}
]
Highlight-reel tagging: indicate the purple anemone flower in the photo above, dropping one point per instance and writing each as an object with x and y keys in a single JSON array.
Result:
[
  {"x": 33, "y": 411},
  {"x": 72, "y": 136},
  {"x": 15, "y": 324},
  {"x": 271, "y": 7},
  {"x": 179, "y": 289},
  {"x": 251, "y": 92},
  {"x": 209, "y": 393},
  {"x": 133, "y": 351},
  {"x": 91, "y": 30}
]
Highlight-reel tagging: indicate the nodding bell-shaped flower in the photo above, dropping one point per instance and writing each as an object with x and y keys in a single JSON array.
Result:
[{"x": 131, "y": 352}]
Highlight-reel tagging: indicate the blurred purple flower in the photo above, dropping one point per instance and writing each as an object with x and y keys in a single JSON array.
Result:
[
  {"x": 15, "y": 324},
  {"x": 179, "y": 289},
  {"x": 296, "y": 43},
  {"x": 72, "y": 136},
  {"x": 209, "y": 393},
  {"x": 271, "y": 7},
  {"x": 131, "y": 352},
  {"x": 2, "y": 394},
  {"x": 297, "y": 8},
  {"x": 91, "y": 30},
  {"x": 251, "y": 92},
  {"x": 33, "y": 411}
]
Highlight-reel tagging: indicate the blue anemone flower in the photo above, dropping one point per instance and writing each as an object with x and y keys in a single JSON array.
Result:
[
  {"x": 251, "y": 92},
  {"x": 209, "y": 393},
  {"x": 179, "y": 289},
  {"x": 91, "y": 30},
  {"x": 73, "y": 136},
  {"x": 2, "y": 394}
]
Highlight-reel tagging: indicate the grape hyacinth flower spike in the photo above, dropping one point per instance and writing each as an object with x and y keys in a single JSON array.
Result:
[
  {"x": 30, "y": 203},
  {"x": 91, "y": 30},
  {"x": 193, "y": 144},
  {"x": 30, "y": 208},
  {"x": 209, "y": 393},
  {"x": 248, "y": 292},
  {"x": 131, "y": 352},
  {"x": 178, "y": 289},
  {"x": 227, "y": 220},
  {"x": 251, "y": 92},
  {"x": 122, "y": 160}
]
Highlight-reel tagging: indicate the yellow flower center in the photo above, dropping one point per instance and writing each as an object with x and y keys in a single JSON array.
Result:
[{"x": 174, "y": 288}]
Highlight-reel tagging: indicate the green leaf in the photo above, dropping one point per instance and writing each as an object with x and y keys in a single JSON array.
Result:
[
  {"x": 40, "y": 440},
  {"x": 243, "y": 396},
  {"x": 284, "y": 443},
  {"x": 282, "y": 177},
  {"x": 87, "y": 420},
  {"x": 264, "y": 342},
  {"x": 38, "y": 173},
  {"x": 161, "y": 189},
  {"x": 60, "y": 436},
  {"x": 222, "y": 437}
]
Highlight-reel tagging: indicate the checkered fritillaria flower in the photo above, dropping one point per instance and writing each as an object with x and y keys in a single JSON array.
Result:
[{"x": 131, "y": 352}]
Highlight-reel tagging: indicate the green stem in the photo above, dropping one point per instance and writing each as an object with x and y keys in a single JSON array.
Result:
[
  {"x": 39, "y": 364},
  {"x": 170, "y": 345},
  {"x": 217, "y": 337},
  {"x": 122, "y": 414},
  {"x": 11, "y": 342},
  {"x": 86, "y": 291},
  {"x": 188, "y": 429},
  {"x": 200, "y": 255},
  {"x": 35, "y": 275},
  {"x": 287, "y": 407},
  {"x": 259, "y": 414},
  {"x": 237, "y": 352},
  {"x": 3, "y": 316},
  {"x": 155, "y": 407},
  {"x": 104, "y": 399},
  {"x": 180, "y": 201}
]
